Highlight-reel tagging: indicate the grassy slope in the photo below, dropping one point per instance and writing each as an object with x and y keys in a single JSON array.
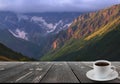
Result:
[
  {"x": 3, "y": 58},
  {"x": 7, "y": 54},
  {"x": 102, "y": 44}
]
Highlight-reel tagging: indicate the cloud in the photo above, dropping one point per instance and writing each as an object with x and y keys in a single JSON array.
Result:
[{"x": 55, "y": 5}]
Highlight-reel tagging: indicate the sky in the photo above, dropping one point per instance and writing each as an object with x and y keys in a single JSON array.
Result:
[{"x": 25, "y": 6}]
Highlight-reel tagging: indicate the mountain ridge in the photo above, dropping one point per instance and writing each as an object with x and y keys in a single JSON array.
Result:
[
  {"x": 83, "y": 25},
  {"x": 78, "y": 44}
]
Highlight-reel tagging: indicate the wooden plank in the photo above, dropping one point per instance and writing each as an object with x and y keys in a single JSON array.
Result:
[
  {"x": 38, "y": 69},
  {"x": 80, "y": 70},
  {"x": 60, "y": 72},
  {"x": 9, "y": 72},
  {"x": 117, "y": 64},
  {"x": 30, "y": 72}
]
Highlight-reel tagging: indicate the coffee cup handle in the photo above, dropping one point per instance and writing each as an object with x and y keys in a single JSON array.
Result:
[{"x": 113, "y": 69}]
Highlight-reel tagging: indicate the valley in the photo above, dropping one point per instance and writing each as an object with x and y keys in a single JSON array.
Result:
[{"x": 63, "y": 36}]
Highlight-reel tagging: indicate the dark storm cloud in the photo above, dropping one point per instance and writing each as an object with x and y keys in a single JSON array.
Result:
[{"x": 55, "y": 5}]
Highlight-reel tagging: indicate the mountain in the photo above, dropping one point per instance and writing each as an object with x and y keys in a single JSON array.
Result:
[
  {"x": 32, "y": 33},
  {"x": 7, "y": 54},
  {"x": 32, "y": 26},
  {"x": 19, "y": 45},
  {"x": 91, "y": 36}
]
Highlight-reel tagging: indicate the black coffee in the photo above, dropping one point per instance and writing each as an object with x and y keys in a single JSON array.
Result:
[{"x": 102, "y": 64}]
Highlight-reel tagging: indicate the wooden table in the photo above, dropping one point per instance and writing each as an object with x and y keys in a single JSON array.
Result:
[
  {"x": 49, "y": 72},
  {"x": 72, "y": 72}
]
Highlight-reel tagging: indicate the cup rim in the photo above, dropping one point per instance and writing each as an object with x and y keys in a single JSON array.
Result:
[{"x": 94, "y": 63}]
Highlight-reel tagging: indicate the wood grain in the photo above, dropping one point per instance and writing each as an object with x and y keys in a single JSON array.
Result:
[{"x": 60, "y": 72}]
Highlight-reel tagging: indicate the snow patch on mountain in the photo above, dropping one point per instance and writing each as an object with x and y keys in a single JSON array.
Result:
[
  {"x": 54, "y": 26},
  {"x": 19, "y": 34},
  {"x": 66, "y": 25},
  {"x": 50, "y": 27}
]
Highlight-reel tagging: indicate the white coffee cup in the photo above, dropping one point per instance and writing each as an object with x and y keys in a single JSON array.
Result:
[{"x": 102, "y": 69}]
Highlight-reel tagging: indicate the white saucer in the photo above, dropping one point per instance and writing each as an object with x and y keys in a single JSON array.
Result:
[{"x": 90, "y": 74}]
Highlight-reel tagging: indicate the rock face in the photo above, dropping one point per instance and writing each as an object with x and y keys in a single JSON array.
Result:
[
  {"x": 55, "y": 44},
  {"x": 86, "y": 24}
]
